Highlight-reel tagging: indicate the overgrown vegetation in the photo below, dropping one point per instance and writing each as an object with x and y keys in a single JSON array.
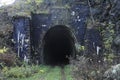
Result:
[
  {"x": 35, "y": 72},
  {"x": 21, "y": 72},
  {"x": 85, "y": 69},
  {"x": 105, "y": 13}
]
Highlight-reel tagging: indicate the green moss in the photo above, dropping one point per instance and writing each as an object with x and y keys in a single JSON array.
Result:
[{"x": 43, "y": 12}]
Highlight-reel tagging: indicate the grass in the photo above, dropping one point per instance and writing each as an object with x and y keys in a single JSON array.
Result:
[
  {"x": 36, "y": 72},
  {"x": 68, "y": 72},
  {"x": 54, "y": 74}
]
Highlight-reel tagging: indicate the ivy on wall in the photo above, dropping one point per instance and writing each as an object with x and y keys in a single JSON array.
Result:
[{"x": 108, "y": 35}]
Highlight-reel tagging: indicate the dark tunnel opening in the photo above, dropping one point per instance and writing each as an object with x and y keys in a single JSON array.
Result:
[{"x": 59, "y": 45}]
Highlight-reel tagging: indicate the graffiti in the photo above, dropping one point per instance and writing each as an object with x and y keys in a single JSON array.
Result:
[
  {"x": 21, "y": 37},
  {"x": 20, "y": 41}
]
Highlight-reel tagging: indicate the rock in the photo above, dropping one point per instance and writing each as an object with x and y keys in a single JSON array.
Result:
[{"x": 113, "y": 73}]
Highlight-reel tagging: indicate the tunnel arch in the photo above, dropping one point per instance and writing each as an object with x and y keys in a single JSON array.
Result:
[{"x": 58, "y": 45}]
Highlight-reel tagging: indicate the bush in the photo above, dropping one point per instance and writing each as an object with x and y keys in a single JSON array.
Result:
[
  {"x": 8, "y": 59},
  {"x": 20, "y": 72},
  {"x": 84, "y": 69}
]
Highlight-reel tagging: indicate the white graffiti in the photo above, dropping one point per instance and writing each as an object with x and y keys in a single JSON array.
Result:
[{"x": 20, "y": 41}]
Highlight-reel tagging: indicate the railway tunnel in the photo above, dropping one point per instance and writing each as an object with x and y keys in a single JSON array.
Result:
[
  {"x": 58, "y": 45},
  {"x": 51, "y": 43}
]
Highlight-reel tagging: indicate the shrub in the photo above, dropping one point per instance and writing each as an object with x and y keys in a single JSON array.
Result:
[
  {"x": 8, "y": 59},
  {"x": 84, "y": 69},
  {"x": 20, "y": 72}
]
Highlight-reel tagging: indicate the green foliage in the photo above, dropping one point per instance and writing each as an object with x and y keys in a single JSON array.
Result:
[
  {"x": 67, "y": 6},
  {"x": 23, "y": 7},
  {"x": 43, "y": 12},
  {"x": 33, "y": 4},
  {"x": 109, "y": 57},
  {"x": 82, "y": 48},
  {"x": 36, "y": 72},
  {"x": 3, "y": 50},
  {"x": 20, "y": 72},
  {"x": 79, "y": 47},
  {"x": 85, "y": 69},
  {"x": 108, "y": 35},
  {"x": 68, "y": 72},
  {"x": 53, "y": 74},
  {"x": 31, "y": 1}
]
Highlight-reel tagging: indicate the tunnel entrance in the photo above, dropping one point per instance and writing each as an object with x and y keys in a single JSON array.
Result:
[{"x": 58, "y": 45}]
